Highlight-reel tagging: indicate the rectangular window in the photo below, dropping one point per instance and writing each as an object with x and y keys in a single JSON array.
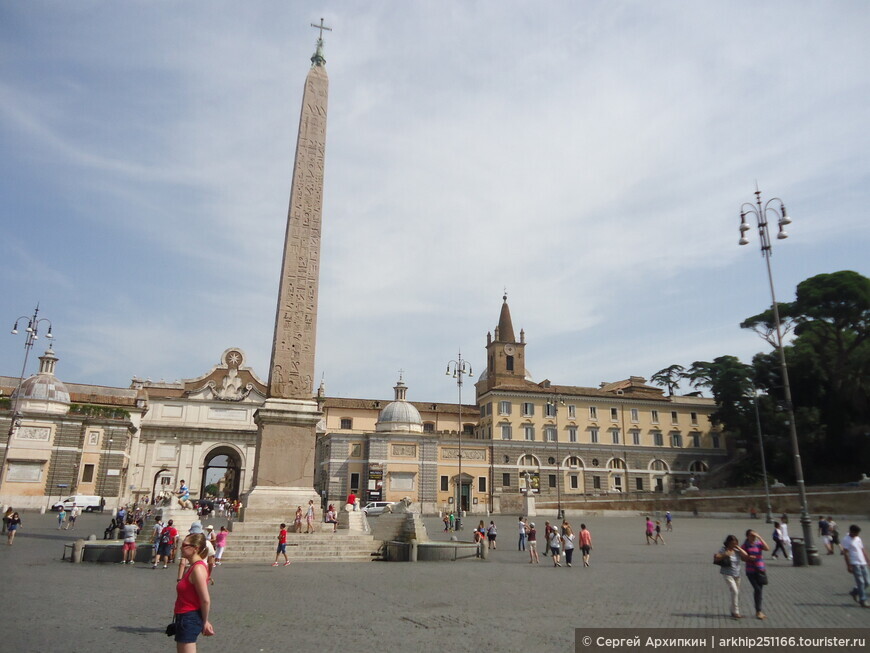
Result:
[
  {"x": 575, "y": 481},
  {"x": 529, "y": 432},
  {"x": 696, "y": 440},
  {"x": 638, "y": 484},
  {"x": 593, "y": 435},
  {"x": 505, "y": 480},
  {"x": 346, "y": 423},
  {"x": 468, "y": 429},
  {"x": 694, "y": 417},
  {"x": 635, "y": 415},
  {"x": 614, "y": 433},
  {"x": 572, "y": 412},
  {"x": 354, "y": 482},
  {"x": 445, "y": 483},
  {"x": 550, "y": 433},
  {"x": 635, "y": 437},
  {"x": 572, "y": 434},
  {"x": 481, "y": 483},
  {"x": 674, "y": 417},
  {"x": 88, "y": 474},
  {"x": 488, "y": 408},
  {"x": 593, "y": 413},
  {"x": 676, "y": 440},
  {"x": 614, "y": 414},
  {"x": 550, "y": 409},
  {"x": 596, "y": 482},
  {"x": 715, "y": 441},
  {"x": 654, "y": 416},
  {"x": 166, "y": 480},
  {"x": 482, "y": 410},
  {"x": 509, "y": 361},
  {"x": 506, "y": 433},
  {"x": 504, "y": 408},
  {"x": 428, "y": 427},
  {"x": 658, "y": 439},
  {"x": 552, "y": 480},
  {"x": 528, "y": 409}
]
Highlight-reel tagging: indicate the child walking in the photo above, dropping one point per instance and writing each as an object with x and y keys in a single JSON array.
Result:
[{"x": 282, "y": 546}]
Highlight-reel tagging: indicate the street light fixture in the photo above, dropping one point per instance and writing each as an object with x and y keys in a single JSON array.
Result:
[
  {"x": 457, "y": 369},
  {"x": 32, "y": 331},
  {"x": 555, "y": 402},
  {"x": 760, "y": 211},
  {"x": 763, "y": 463}
]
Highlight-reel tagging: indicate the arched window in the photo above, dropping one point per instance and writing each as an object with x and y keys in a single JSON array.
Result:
[
  {"x": 573, "y": 461},
  {"x": 528, "y": 461},
  {"x": 698, "y": 466},
  {"x": 616, "y": 463},
  {"x": 658, "y": 466}
]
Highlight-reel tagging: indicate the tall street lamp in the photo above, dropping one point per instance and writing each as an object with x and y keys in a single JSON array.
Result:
[
  {"x": 763, "y": 463},
  {"x": 761, "y": 211},
  {"x": 457, "y": 369},
  {"x": 554, "y": 403},
  {"x": 32, "y": 332}
]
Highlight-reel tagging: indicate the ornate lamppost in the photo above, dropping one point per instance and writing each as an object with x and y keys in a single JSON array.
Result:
[
  {"x": 32, "y": 332},
  {"x": 554, "y": 403},
  {"x": 769, "y": 518},
  {"x": 776, "y": 207},
  {"x": 457, "y": 369}
]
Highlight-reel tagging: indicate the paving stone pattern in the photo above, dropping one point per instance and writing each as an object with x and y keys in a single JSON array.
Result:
[{"x": 503, "y": 604}]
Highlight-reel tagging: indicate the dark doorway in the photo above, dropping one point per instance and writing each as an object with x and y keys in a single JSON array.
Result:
[{"x": 222, "y": 474}]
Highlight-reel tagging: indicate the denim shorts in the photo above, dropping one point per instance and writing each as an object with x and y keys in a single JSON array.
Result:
[
  {"x": 188, "y": 626},
  {"x": 282, "y": 548}
]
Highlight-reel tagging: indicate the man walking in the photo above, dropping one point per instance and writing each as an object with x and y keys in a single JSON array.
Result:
[
  {"x": 73, "y": 515},
  {"x": 166, "y": 545},
  {"x": 856, "y": 564}
]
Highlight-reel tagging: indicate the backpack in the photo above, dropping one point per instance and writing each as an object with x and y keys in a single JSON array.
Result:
[{"x": 165, "y": 536}]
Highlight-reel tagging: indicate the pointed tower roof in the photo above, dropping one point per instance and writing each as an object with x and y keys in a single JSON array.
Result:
[{"x": 505, "y": 326}]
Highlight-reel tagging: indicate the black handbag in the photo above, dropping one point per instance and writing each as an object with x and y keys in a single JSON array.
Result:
[
  {"x": 170, "y": 630},
  {"x": 761, "y": 576}
]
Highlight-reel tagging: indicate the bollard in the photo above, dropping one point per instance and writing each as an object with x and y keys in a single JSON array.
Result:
[
  {"x": 78, "y": 551},
  {"x": 412, "y": 554},
  {"x": 798, "y": 552},
  {"x": 484, "y": 550}
]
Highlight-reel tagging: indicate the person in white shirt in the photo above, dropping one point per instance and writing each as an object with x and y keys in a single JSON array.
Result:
[
  {"x": 856, "y": 564},
  {"x": 73, "y": 515}
]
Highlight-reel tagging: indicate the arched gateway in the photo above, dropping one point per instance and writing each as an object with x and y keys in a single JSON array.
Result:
[{"x": 222, "y": 468}]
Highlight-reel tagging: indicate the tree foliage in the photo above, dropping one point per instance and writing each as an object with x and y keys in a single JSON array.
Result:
[{"x": 828, "y": 364}]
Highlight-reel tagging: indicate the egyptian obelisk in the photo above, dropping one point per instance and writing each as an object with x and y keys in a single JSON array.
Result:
[{"x": 283, "y": 474}]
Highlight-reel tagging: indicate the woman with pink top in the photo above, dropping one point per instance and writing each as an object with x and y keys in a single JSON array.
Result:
[{"x": 220, "y": 544}]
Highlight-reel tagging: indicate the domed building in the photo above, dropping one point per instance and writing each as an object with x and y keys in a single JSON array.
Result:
[
  {"x": 399, "y": 416},
  {"x": 62, "y": 439},
  {"x": 42, "y": 392}
]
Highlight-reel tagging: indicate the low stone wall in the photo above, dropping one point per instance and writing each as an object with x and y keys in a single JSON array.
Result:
[{"x": 830, "y": 501}]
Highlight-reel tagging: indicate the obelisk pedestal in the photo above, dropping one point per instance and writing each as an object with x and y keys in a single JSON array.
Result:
[{"x": 283, "y": 471}]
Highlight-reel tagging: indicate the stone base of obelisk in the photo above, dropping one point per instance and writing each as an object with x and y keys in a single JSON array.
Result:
[{"x": 283, "y": 476}]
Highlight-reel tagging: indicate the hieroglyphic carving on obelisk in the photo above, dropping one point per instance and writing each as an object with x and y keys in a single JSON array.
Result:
[{"x": 291, "y": 373}]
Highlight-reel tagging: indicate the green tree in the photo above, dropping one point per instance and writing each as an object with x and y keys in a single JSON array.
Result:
[{"x": 669, "y": 377}]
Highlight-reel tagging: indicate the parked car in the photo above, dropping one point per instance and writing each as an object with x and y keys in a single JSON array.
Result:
[
  {"x": 87, "y": 502},
  {"x": 373, "y": 508}
]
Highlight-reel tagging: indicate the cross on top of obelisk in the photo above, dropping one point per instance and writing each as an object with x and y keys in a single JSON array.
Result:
[{"x": 321, "y": 27}]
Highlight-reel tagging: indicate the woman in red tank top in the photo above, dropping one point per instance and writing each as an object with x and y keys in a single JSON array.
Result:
[{"x": 192, "y": 601}]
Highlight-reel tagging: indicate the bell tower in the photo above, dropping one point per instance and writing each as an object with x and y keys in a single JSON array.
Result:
[{"x": 505, "y": 355}]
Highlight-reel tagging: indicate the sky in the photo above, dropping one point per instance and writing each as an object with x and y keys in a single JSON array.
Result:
[{"x": 590, "y": 158}]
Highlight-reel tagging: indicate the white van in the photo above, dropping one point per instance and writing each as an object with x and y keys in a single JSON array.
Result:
[{"x": 87, "y": 502}]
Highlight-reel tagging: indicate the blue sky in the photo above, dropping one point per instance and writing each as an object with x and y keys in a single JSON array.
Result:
[{"x": 590, "y": 157}]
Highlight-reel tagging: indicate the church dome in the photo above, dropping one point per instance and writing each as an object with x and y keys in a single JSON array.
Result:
[
  {"x": 400, "y": 415},
  {"x": 42, "y": 392}
]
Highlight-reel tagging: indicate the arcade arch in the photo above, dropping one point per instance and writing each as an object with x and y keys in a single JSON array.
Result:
[{"x": 223, "y": 466}]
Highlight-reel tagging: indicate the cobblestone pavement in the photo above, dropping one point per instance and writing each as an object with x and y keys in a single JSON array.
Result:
[{"x": 503, "y": 604}]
